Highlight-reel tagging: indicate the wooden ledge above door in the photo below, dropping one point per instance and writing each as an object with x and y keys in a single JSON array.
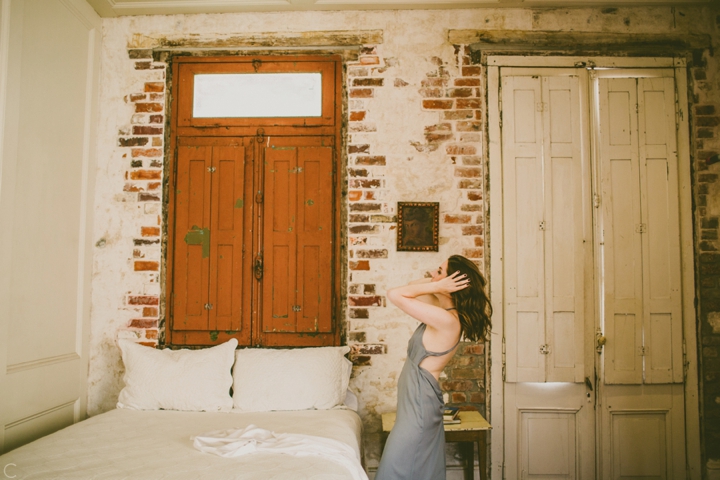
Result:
[{"x": 483, "y": 43}]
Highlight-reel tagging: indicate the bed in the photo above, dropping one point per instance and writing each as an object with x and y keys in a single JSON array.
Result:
[{"x": 174, "y": 401}]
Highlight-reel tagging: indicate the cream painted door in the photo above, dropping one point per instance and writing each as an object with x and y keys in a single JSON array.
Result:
[
  {"x": 49, "y": 52},
  {"x": 591, "y": 248},
  {"x": 642, "y": 398},
  {"x": 548, "y": 299}
]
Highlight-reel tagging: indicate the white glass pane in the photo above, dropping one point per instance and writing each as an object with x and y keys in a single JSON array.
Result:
[{"x": 257, "y": 95}]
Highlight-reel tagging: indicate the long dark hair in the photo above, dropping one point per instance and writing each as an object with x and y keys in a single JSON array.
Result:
[{"x": 472, "y": 303}]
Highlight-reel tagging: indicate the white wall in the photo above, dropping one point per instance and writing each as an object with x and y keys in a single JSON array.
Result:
[{"x": 49, "y": 69}]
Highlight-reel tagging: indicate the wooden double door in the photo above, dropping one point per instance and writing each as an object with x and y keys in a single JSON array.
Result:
[
  {"x": 595, "y": 297},
  {"x": 252, "y": 240}
]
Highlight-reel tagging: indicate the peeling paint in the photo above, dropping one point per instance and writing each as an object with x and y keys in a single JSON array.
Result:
[{"x": 199, "y": 236}]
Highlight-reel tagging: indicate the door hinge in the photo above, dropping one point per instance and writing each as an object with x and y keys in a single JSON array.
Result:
[
  {"x": 258, "y": 268},
  {"x": 686, "y": 364},
  {"x": 544, "y": 349},
  {"x": 259, "y": 197},
  {"x": 596, "y": 200},
  {"x": 541, "y": 225},
  {"x": 643, "y": 351},
  {"x": 503, "y": 359}
]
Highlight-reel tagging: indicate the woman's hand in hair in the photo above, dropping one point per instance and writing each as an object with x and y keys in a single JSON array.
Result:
[{"x": 452, "y": 283}]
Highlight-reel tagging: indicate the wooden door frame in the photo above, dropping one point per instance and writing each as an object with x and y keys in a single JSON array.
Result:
[
  {"x": 263, "y": 128},
  {"x": 494, "y": 155}
]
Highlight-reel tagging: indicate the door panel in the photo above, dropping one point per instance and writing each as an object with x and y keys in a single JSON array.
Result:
[
  {"x": 315, "y": 239},
  {"x": 542, "y": 459},
  {"x": 620, "y": 180},
  {"x": 523, "y": 205},
  {"x": 547, "y": 228},
  {"x": 298, "y": 240},
  {"x": 642, "y": 420},
  {"x": 211, "y": 272},
  {"x": 566, "y": 228},
  {"x": 549, "y": 431},
  {"x": 639, "y": 445},
  {"x": 661, "y": 243},
  {"x": 192, "y": 240},
  {"x": 643, "y": 432},
  {"x": 227, "y": 240},
  {"x": 547, "y": 232}
]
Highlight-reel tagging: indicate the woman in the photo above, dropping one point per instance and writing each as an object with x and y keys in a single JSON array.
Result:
[{"x": 451, "y": 304}]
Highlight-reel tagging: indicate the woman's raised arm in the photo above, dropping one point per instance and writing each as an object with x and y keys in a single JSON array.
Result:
[{"x": 406, "y": 298}]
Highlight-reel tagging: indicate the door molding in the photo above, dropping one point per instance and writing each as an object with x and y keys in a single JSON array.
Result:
[{"x": 494, "y": 155}]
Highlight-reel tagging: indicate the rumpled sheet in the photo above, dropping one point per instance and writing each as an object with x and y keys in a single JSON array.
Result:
[
  {"x": 155, "y": 445},
  {"x": 252, "y": 439}
]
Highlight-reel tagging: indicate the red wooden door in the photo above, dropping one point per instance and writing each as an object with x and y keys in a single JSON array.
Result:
[
  {"x": 244, "y": 189},
  {"x": 211, "y": 289},
  {"x": 298, "y": 236}
]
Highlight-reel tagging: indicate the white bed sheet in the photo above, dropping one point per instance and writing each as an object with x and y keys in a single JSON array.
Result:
[{"x": 131, "y": 444}]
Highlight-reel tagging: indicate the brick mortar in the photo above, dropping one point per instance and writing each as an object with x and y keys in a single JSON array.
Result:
[{"x": 705, "y": 139}]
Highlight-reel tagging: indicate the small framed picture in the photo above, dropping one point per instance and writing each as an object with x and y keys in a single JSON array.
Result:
[{"x": 418, "y": 226}]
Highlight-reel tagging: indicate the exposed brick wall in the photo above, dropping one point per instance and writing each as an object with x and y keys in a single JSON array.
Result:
[
  {"x": 142, "y": 141},
  {"x": 367, "y": 213},
  {"x": 454, "y": 92},
  {"x": 705, "y": 122}
]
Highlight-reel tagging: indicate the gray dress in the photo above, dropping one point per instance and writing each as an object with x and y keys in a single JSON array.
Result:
[{"x": 415, "y": 448}]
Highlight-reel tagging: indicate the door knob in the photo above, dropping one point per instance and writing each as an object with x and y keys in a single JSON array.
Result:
[{"x": 600, "y": 341}]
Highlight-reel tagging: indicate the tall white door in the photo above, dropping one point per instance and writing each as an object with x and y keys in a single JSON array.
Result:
[
  {"x": 49, "y": 52},
  {"x": 590, "y": 274},
  {"x": 642, "y": 411},
  {"x": 548, "y": 297}
]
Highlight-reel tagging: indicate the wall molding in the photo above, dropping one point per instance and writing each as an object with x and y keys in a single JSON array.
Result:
[{"x": 43, "y": 362}]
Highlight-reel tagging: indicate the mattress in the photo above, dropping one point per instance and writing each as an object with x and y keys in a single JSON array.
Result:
[{"x": 132, "y": 444}]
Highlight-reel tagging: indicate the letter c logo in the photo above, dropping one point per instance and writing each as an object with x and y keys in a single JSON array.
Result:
[{"x": 5, "y": 471}]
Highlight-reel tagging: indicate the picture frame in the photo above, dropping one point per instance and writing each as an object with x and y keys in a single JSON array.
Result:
[{"x": 418, "y": 226}]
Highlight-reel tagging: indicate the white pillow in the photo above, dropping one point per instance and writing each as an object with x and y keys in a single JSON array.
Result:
[
  {"x": 298, "y": 379},
  {"x": 189, "y": 380}
]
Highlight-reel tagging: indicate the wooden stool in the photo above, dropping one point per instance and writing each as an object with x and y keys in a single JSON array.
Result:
[{"x": 472, "y": 428}]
